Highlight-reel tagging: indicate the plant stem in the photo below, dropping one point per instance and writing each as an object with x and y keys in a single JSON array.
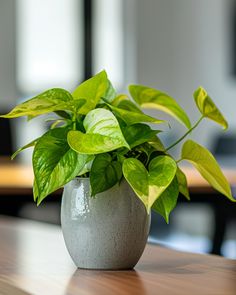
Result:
[
  {"x": 74, "y": 120},
  {"x": 187, "y": 133}
]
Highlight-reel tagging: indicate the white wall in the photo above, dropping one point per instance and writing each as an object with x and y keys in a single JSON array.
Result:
[
  {"x": 183, "y": 44},
  {"x": 171, "y": 45},
  {"x": 8, "y": 93}
]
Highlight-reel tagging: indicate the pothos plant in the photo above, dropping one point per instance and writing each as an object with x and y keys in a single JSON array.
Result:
[{"x": 104, "y": 136}]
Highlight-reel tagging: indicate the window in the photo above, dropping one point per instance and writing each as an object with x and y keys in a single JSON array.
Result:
[
  {"x": 108, "y": 39},
  {"x": 49, "y": 44},
  {"x": 62, "y": 42}
]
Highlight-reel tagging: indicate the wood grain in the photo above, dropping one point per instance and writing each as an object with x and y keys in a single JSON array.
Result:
[{"x": 34, "y": 259}]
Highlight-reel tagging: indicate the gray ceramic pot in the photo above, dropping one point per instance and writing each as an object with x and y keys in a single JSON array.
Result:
[{"x": 106, "y": 232}]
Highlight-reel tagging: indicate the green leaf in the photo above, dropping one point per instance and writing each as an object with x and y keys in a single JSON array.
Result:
[
  {"x": 151, "y": 98},
  {"x": 54, "y": 162},
  {"x": 63, "y": 114},
  {"x": 52, "y": 100},
  {"x": 167, "y": 200},
  {"x": 104, "y": 173},
  {"x": 149, "y": 185},
  {"x": 206, "y": 164},
  {"x": 87, "y": 166},
  {"x": 157, "y": 144},
  {"x": 138, "y": 133},
  {"x": 183, "y": 185},
  {"x": 129, "y": 106},
  {"x": 60, "y": 122},
  {"x": 137, "y": 176},
  {"x": 162, "y": 170},
  {"x": 35, "y": 191},
  {"x": 208, "y": 108},
  {"x": 31, "y": 144},
  {"x": 110, "y": 93},
  {"x": 149, "y": 151},
  {"x": 131, "y": 118},
  {"x": 103, "y": 134},
  {"x": 118, "y": 99},
  {"x": 91, "y": 90},
  {"x": 92, "y": 143},
  {"x": 120, "y": 157}
]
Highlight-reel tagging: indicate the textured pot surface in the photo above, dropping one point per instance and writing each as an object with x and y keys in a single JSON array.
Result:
[{"x": 106, "y": 232}]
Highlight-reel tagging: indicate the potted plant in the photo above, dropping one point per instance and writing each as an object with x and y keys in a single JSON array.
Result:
[{"x": 113, "y": 165}]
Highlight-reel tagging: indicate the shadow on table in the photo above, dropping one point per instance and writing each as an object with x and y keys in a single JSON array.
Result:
[{"x": 105, "y": 282}]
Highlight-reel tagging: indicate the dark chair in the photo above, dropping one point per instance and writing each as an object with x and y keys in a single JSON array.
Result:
[
  {"x": 6, "y": 148},
  {"x": 225, "y": 145},
  {"x": 224, "y": 149}
]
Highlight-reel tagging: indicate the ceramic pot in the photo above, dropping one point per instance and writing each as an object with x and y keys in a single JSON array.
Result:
[{"x": 106, "y": 232}]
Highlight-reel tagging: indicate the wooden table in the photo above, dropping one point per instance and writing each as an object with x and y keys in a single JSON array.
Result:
[
  {"x": 34, "y": 260},
  {"x": 15, "y": 178},
  {"x": 16, "y": 185},
  {"x": 18, "y": 178}
]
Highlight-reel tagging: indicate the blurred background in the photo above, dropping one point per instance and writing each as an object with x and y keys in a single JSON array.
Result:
[{"x": 174, "y": 46}]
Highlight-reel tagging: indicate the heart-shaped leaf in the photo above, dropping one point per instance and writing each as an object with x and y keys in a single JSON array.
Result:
[
  {"x": 151, "y": 98},
  {"x": 137, "y": 176},
  {"x": 167, "y": 200},
  {"x": 138, "y": 133},
  {"x": 149, "y": 185},
  {"x": 206, "y": 164},
  {"x": 104, "y": 173},
  {"x": 183, "y": 185},
  {"x": 54, "y": 162},
  {"x": 131, "y": 117},
  {"x": 208, "y": 108},
  {"x": 91, "y": 90},
  {"x": 103, "y": 134},
  {"x": 55, "y": 99}
]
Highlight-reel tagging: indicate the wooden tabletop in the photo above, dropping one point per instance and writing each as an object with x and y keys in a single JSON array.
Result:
[
  {"x": 17, "y": 178},
  {"x": 34, "y": 260}
]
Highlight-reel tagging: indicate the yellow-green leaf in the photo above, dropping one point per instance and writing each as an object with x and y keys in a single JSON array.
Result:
[
  {"x": 157, "y": 144},
  {"x": 54, "y": 163},
  {"x": 167, "y": 200},
  {"x": 133, "y": 117},
  {"x": 110, "y": 93},
  {"x": 183, "y": 185},
  {"x": 148, "y": 97},
  {"x": 126, "y": 104},
  {"x": 208, "y": 108},
  {"x": 52, "y": 100},
  {"x": 119, "y": 98},
  {"x": 137, "y": 176},
  {"x": 35, "y": 191},
  {"x": 91, "y": 90},
  {"x": 149, "y": 185},
  {"x": 207, "y": 165},
  {"x": 103, "y": 134},
  {"x": 138, "y": 133}
]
